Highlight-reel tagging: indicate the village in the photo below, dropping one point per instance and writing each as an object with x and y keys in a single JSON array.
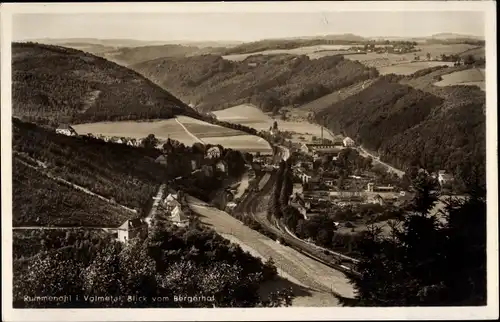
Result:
[
  {"x": 327, "y": 174},
  {"x": 332, "y": 174}
]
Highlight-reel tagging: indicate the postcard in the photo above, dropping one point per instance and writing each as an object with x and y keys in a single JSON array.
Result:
[{"x": 249, "y": 161}]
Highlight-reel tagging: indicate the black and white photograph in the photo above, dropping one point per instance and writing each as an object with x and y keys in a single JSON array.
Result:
[{"x": 315, "y": 160}]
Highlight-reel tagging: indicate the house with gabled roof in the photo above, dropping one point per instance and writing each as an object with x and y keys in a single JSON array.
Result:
[
  {"x": 162, "y": 159},
  {"x": 178, "y": 217},
  {"x": 132, "y": 228},
  {"x": 171, "y": 202}
]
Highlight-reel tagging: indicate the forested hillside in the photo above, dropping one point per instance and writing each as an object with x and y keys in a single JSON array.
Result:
[
  {"x": 52, "y": 84},
  {"x": 435, "y": 128},
  {"x": 133, "y": 55},
  {"x": 126, "y": 174},
  {"x": 41, "y": 201},
  {"x": 270, "y": 81}
]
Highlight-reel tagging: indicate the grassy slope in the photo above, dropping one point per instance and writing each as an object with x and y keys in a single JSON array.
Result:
[
  {"x": 268, "y": 81},
  {"x": 127, "y": 174},
  {"x": 55, "y": 84}
]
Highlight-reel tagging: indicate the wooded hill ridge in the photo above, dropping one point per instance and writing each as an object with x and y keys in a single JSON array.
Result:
[
  {"x": 52, "y": 84},
  {"x": 269, "y": 81},
  {"x": 133, "y": 55},
  {"x": 436, "y": 128}
]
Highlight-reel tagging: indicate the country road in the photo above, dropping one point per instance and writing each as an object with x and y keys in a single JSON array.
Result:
[
  {"x": 189, "y": 132},
  {"x": 376, "y": 159}
]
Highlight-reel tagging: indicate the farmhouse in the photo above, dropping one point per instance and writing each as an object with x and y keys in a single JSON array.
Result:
[
  {"x": 178, "y": 217},
  {"x": 348, "y": 142},
  {"x": 213, "y": 153},
  {"x": 65, "y": 129},
  {"x": 444, "y": 178},
  {"x": 171, "y": 202},
  {"x": 162, "y": 159},
  {"x": 132, "y": 228}
]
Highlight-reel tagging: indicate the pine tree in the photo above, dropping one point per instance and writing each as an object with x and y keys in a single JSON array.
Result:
[{"x": 429, "y": 259}]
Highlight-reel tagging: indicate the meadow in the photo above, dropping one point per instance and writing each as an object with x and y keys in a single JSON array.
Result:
[
  {"x": 410, "y": 68},
  {"x": 162, "y": 129},
  {"x": 183, "y": 129},
  {"x": 473, "y": 76},
  {"x": 204, "y": 130},
  {"x": 313, "y": 52},
  {"x": 250, "y": 115},
  {"x": 404, "y": 64}
]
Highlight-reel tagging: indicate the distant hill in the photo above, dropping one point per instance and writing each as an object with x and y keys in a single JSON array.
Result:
[
  {"x": 128, "y": 175},
  {"x": 271, "y": 81},
  {"x": 455, "y": 36},
  {"x": 291, "y": 43},
  {"x": 96, "y": 41},
  {"x": 133, "y": 55},
  {"x": 133, "y": 42},
  {"x": 52, "y": 84}
]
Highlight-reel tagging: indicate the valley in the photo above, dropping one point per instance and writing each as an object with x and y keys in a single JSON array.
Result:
[{"x": 264, "y": 174}]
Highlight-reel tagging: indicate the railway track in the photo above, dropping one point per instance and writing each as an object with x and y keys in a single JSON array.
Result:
[{"x": 250, "y": 208}]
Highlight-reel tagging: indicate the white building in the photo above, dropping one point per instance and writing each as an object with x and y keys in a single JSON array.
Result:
[
  {"x": 171, "y": 202},
  {"x": 348, "y": 142},
  {"x": 178, "y": 217},
  {"x": 132, "y": 228},
  {"x": 213, "y": 153},
  {"x": 444, "y": 178}
]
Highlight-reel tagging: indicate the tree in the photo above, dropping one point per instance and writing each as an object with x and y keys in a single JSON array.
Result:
[
  {"x": 150, "y": 141},
  {"x": 469, "y": 60},
  {"x": 428, "y": 55},
  {"x": 426, "y": 261}
]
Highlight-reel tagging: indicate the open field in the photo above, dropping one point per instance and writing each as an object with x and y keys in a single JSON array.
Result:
[
  {"x": 245, "y": 143},
  {"x": 162, "y": 129},
  {"x": 290, "y": 263},
  {"x": 250, "y": 115},
  {"x": 380, "y": 61},
  {"x": 203, "y": 129},
  {"x": 313, "y": 52},
  {"x": 410, "y": 68},
  {"x": 183, "y": 129},
  {"x": 473, "y": 76}
]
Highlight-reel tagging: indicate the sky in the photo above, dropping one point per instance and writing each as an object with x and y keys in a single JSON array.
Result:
[{"x": 243, "y": 26}]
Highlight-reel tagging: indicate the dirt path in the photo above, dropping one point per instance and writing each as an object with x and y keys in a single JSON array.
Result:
[
  {"x": 189, "y": 132},
  {"x": 157, "y": 199}
]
